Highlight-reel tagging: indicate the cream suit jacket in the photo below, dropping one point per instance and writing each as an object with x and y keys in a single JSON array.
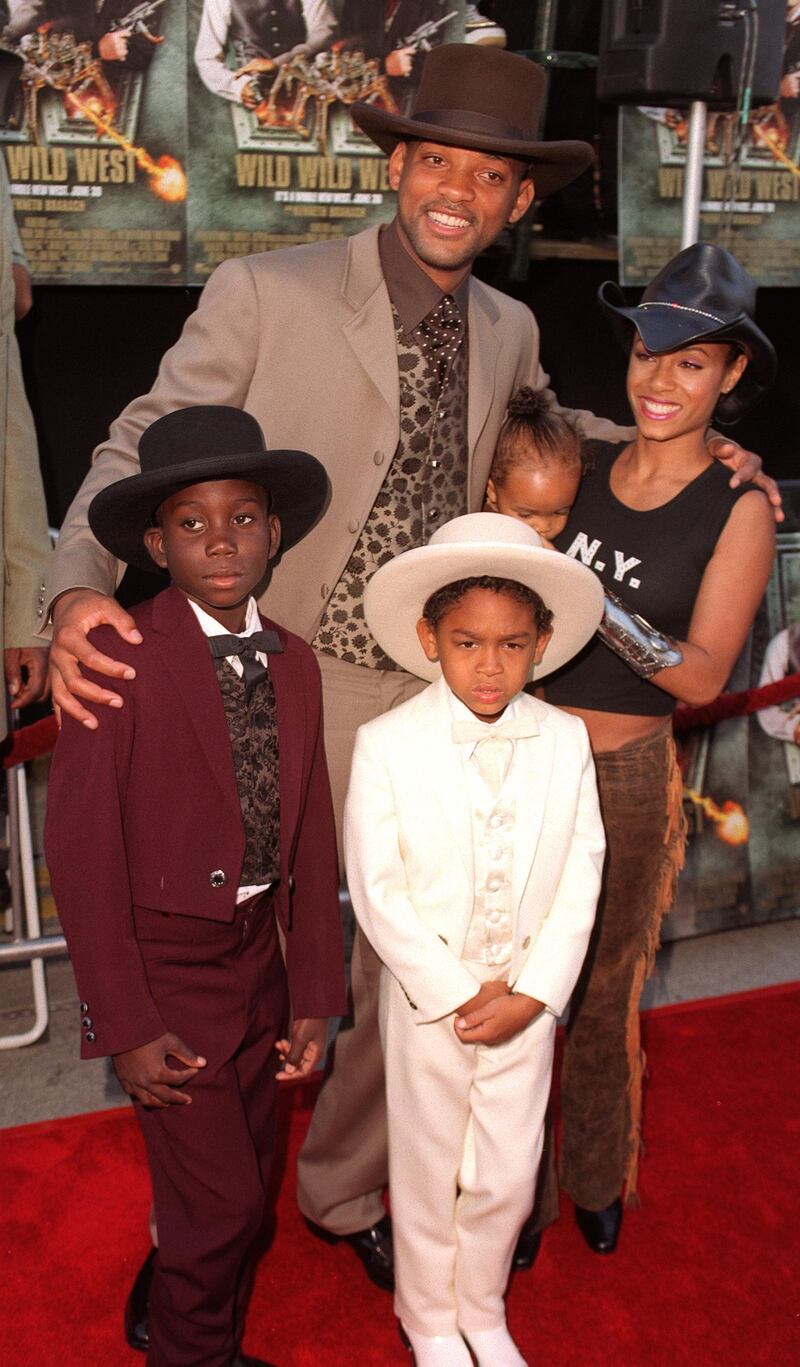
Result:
[
  {"x": 303, "y": 338},
  {"x": 23, "y": 515},
  {"x": 408, "y": 850}
]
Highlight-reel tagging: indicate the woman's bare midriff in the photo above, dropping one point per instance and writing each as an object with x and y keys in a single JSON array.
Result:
[{"x": 611, "y": 730}]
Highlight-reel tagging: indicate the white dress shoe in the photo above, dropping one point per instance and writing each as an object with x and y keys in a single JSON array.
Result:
[
  {"x": 495, "y": 1348},
  {"x": 438, "y": 1350}
]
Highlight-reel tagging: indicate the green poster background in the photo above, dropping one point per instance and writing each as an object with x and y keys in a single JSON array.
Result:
[{"x": 763, "y": 230}]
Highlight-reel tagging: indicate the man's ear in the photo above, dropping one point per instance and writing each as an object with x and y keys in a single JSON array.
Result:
[
  {"x": 491, "y": 495},
  {"x": 525, "y": 196},
  {"x": 397, "y": 161},
  {"x": 275, "y": 534},
  {"x": 427, "y": 639},
  {"x": 154, "y": 541}
]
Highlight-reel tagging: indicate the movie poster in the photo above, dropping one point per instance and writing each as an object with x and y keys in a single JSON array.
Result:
[
  {"x": 754, "y": 209},
  {"x": 93, "y": 130},
  {"x": 147, "y": 140},
  {"x": 742, "y": 776},
  {"x": 274, "y": 156}
]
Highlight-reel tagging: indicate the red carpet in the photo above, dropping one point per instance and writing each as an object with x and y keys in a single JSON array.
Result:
[{"x": 707, "y": 1272}]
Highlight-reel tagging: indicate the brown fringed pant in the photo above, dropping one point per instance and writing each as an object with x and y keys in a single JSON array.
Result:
[{"x": 601, "y": 1080}]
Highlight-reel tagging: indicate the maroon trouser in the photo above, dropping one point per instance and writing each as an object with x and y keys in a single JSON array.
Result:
[{"x": 222, "y": 989}]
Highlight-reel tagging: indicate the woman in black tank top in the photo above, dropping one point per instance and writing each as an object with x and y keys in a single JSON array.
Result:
[{"x": 664, "y": 531}]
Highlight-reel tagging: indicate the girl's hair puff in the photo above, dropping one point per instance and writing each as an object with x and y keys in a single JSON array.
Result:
[{"x": 534, "y": 434}]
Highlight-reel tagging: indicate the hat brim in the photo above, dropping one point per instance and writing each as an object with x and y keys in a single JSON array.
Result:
[
  {"x": 297, "y": 483},
  {"x": 399, "y": 590},
  {"x": 663, "y": 328},
  {"x": 553, "y": 164}
]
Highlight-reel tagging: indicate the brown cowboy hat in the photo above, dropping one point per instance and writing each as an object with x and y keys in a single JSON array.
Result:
[{"x": 485, "y": 99}]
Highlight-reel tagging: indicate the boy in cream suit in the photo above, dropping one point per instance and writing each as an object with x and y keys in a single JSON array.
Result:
[{"x": 474, "y": 850}]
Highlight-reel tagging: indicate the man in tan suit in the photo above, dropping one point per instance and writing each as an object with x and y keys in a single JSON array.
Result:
[
  {"x": 25, "y": 539},
  {"x": 382, "y": 356}
]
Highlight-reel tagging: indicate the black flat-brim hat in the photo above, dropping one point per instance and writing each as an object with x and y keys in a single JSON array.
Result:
[
  {"x": 190, "y": 446},
  {"x": 484, "y": 99},
  {"x": 701, "y": 295}
]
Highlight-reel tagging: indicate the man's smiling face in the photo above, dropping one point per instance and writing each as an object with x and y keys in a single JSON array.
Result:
[{"x": 452, "y": 203}]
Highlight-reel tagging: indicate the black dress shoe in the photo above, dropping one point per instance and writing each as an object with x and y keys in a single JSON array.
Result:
[
  {"x": 373, "y": 1246},
  {"x": 137, "y": 1334},
  {"x": 600, "y": 1228},
  {"x": 527, "y": 1247}
]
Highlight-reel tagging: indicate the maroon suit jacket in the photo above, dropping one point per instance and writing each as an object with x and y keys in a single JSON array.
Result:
[{"x": 142, "y": 811}]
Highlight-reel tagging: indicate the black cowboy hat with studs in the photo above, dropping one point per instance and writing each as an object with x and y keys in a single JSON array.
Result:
[
  {"x": 484, "y": 99},
  {"x": 702, "y": 294},
  {"x": 206, "y": 442}
]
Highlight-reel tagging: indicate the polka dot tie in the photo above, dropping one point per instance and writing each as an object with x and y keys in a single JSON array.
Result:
[{"x": 440, "y": 335}]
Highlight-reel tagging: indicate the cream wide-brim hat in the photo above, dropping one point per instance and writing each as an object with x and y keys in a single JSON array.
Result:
[{"x": 466, "y": 548}]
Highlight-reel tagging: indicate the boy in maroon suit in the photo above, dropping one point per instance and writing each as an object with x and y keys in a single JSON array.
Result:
[{"x": 184, "y": 838}]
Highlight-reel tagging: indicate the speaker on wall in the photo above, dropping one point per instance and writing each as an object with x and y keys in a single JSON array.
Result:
[{"x": 676, "y": 51}]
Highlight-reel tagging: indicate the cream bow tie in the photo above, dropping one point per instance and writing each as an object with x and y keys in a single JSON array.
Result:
[{"x": 465, "y": 730}]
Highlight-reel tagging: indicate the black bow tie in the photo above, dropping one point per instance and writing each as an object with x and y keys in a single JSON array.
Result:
[{"x": 247, "y": 647}]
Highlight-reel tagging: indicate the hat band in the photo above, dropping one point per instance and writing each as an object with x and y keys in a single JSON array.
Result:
[
  {"x": 466, "y": 121},
  {"x": 685, "y": 308}
]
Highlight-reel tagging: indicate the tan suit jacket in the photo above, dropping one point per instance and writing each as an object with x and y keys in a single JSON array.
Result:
[
  {"x": 409, "y": 856},
  {"x": 23, "y": 515},
  {"x": 303, "y": 339}
]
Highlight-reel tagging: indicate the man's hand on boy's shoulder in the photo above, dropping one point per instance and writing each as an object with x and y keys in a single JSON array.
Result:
[
  {"x": 498, "y": 1018},
  {"x": 75, "y": 614},
  {"x": 301, "y": 1054},
  {"x": 146, "y": 1075}
]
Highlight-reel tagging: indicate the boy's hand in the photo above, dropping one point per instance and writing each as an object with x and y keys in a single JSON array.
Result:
[
  {"x": 746, "y": 468},
  {"x": 498, "y": 1020},
  {"x": 74, "y": 615},
  {"x": 487, "y": 993},
  {"x": 303, "y": 1052},
  {"x": 147, "y": 1077}
]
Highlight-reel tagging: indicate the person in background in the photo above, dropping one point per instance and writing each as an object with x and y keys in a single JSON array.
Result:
[
  {"x": 782, "y": 657},
  {"x": 26, "y": 549}
]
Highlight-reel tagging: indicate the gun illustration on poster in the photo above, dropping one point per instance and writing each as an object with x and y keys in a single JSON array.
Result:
[
  {"x": 94, "y": 137},
  {"x": 275, "y": 157}
]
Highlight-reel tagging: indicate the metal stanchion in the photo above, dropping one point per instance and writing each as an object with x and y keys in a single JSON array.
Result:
[
  {"x": 27, "y": 942},
  {"x": 693, "y": 182}
]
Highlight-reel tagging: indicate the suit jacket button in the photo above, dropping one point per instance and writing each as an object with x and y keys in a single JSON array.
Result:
[
  {"x": 526, "y": 943},
  {"x": 218, "y": 878},
  {"x": 84, "y": 1006},
  {"x": 291, "y": 882},
  {"x": 90, "y": 1037},
  {"x": 87, "y": 1022}
]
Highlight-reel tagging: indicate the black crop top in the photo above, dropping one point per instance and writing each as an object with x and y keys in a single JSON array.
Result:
[{"x": 653, "y": 560}]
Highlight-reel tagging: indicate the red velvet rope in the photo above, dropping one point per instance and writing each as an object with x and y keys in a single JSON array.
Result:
[
  {"x": 29, "y": 742},
  {"x": 32, "y": 741},
  {"x": 736, "y": 704}
]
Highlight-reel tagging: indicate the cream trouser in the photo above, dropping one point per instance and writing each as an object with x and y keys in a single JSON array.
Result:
[{"x": 465, "y": 1138}]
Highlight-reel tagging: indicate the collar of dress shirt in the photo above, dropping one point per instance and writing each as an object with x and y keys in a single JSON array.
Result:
[
  {"x": 411, "y": 290},
  {"x": 211, "y": 627}
]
